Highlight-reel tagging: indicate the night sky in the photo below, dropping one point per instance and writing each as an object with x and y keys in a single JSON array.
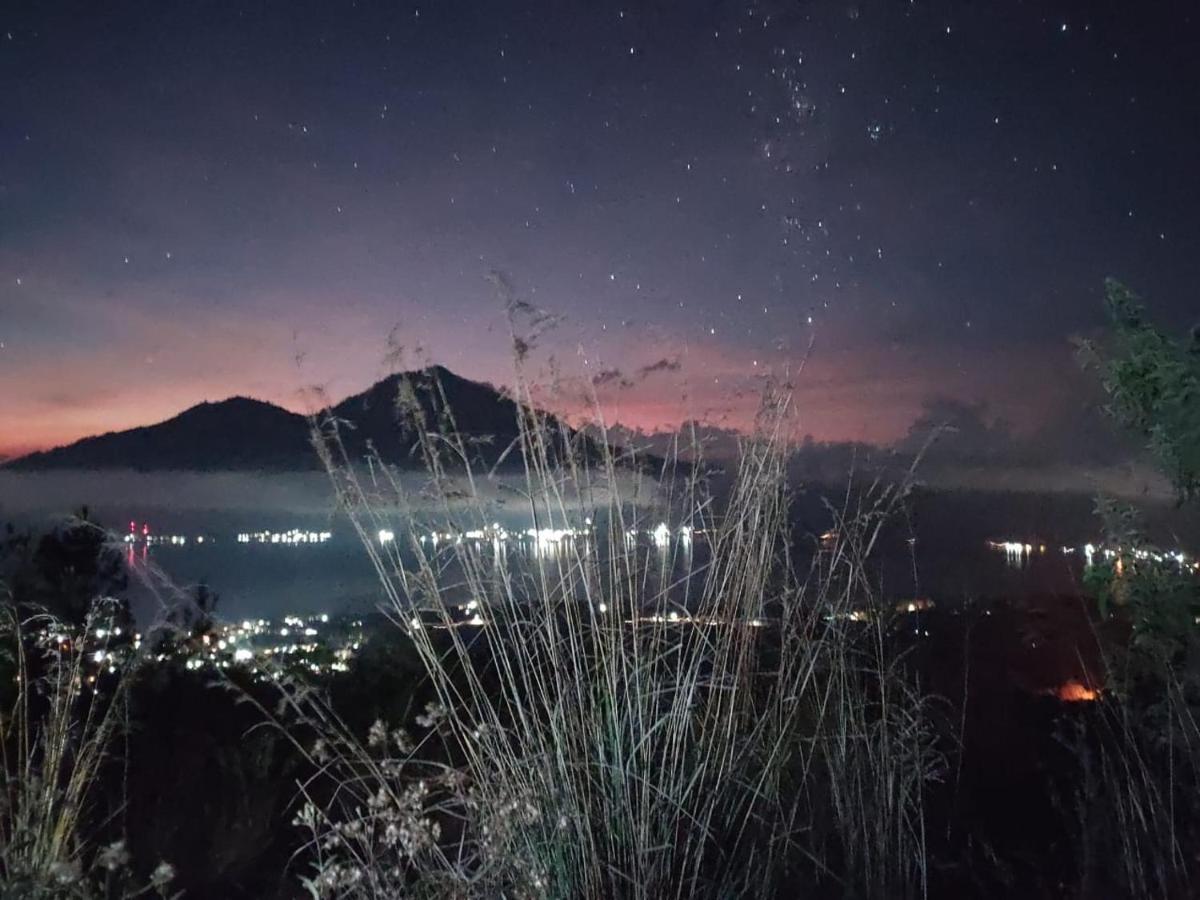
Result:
[{"x": 203, "y": 199}]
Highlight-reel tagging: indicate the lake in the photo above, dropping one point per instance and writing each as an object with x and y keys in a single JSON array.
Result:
[
  {"x": 270, "y": 578},
  {"x": 950, "y": 560}
]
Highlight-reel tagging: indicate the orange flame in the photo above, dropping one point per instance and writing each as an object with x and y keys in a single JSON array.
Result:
[{"x": 1075, "y": 691}]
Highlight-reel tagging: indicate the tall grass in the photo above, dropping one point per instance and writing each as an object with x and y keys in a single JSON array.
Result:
[
  {"x": 62, "y": 719},
  {"x": 1137, "y": 803},
  {"x": 624, "y": 716},
  {"x": 1138, "y": 800}
]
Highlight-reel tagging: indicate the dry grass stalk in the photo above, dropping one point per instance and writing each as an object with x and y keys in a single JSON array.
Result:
[{"x": 624, "y": 730}]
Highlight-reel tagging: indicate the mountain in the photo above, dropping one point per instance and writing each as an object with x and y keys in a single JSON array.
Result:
[
  {"x": 234, "y": 434},
  {"x": 480, "y": 413},
  {"x": 241, "y": 434}
]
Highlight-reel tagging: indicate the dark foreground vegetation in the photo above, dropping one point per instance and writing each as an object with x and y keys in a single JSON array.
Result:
[{"x": 777, "y": 730}]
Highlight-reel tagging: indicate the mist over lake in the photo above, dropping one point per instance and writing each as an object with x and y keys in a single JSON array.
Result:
[
  {"x": 252, "y": 579},
  {"x": 950, "y": 558}
]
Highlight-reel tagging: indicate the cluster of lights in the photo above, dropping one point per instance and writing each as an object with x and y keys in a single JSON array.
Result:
[
  {"x": 540, "y": 537},
  {"x": 676, "y": 618},
  {"x": 852, "y": 615},
  {"x": 660, "y": 535},
  {"x": 175, "y": 540},
  {"x": 104, "y": 650},
  {"x": 475, "y": 620},
  {"x": 1175, "y": 556},
  {"x": 554, "y": 535},
  {"x": 291, "y": 537},
  {"x": 142, "y": 535},
  {"x": 670, "y": 618},
  {"x": 293, "y": 639},
  {"x": 247, "y": 644},
  {"x": 496, "y": 532},
  {"x": 1018, "y": 551}
]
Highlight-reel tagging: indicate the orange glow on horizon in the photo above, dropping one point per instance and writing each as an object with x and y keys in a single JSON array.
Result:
[{"x": 858, "y": 391}]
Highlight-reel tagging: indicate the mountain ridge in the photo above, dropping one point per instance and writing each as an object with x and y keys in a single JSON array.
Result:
[{"x": 246, "y": 434}]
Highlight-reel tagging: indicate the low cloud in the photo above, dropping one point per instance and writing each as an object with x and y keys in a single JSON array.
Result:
[
  {"x": 956, "y": 432},
  {"x": 662, "y": 365},
  {"x": 610, "y": 377}
]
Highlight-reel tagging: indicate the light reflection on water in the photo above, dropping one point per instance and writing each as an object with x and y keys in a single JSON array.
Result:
[
  {"x": 273, "y": 577},
  {"x": 313, "y": 569},
  {"x": 333, "y": 574}
]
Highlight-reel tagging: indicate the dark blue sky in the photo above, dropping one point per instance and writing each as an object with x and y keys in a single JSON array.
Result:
[{"x": 199, "y": 199}]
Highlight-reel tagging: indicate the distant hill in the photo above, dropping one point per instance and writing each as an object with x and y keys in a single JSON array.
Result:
[
  {"x": 234, "y": 434},
  {"x": 241, "y": 434}
]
